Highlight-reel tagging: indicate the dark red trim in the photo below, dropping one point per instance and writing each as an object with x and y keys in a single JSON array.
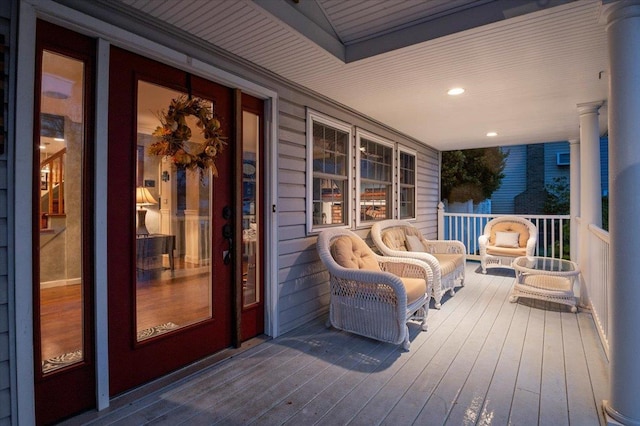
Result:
[{"x": 66, "y": 391}]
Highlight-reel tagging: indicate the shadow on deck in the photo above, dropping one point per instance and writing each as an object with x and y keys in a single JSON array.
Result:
[{"x": 483, "y": 360}]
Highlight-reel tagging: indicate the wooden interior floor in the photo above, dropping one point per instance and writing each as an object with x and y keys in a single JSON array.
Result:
[
  {"x": 483, "y": 361},
  {"x": 180, "y": 297}
]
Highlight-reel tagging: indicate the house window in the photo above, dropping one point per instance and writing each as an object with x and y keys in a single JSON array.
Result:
[
  {"x": 407, "y": 183},
  {"x": 328, "y": 171},
  {"x": 375, "y": 173}
]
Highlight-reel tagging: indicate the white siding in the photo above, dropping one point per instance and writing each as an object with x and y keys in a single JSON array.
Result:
[
  {"x": 5, "y": 361},
  {"x": 303, "y": 290}
]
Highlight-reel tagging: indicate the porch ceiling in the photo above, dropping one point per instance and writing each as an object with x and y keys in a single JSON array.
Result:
[{"x": 525, "y": 65}]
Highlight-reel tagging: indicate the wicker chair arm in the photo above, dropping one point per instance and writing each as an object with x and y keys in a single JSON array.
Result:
[
  {"x": 429, "y": 259},
  {"x": 444, "y": 246},
  {"x": 406, "y": 268},
  {"x": 483, "y": 240},
  {"x": 373, "y": 279}
]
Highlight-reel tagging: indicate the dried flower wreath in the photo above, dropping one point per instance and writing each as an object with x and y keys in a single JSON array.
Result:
[{"x": 174, "y": 135}]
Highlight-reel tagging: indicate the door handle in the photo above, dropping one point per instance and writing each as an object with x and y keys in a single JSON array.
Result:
[{"x": 227, "y": 233}]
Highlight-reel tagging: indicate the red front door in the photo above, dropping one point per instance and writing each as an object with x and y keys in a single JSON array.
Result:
[{"x": 170, "y": 279}]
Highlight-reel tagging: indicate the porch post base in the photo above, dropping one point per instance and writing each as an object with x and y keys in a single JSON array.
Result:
[{"x": 613, "y": 418}]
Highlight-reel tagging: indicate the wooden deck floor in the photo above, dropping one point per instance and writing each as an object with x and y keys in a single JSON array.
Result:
[{"x": 483, "y": 361}]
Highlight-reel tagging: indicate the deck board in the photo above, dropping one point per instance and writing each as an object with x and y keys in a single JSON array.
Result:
[
  {"x": 459, "y": 353},
  {"x": 596, "y": 362},
  {"x": 582, "y": 409},
  {"x": 469, "y": 402},
  {"x": 435, "y": 356},
  {"x": 483, "y": 361},
  {"x": 526, "y": 398},
  {"x": 553, "y": 387}
]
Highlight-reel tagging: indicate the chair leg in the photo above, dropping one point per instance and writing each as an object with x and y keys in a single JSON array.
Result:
[
  {"x": 425, "y": 310},
  {"x": 437, "y": 298},
  {"x": 406, "y": 344}
]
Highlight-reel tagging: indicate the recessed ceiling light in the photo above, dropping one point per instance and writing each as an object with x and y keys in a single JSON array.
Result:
[
  {"x": 58, "y": 139},
  {"x": 492, "y": 134},
  {"x": 455, "y": 91}
]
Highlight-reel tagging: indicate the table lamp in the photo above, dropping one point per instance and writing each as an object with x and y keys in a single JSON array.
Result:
[{"x": 143, "y": 198}]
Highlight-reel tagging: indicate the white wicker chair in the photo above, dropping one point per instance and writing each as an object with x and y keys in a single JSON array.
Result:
[
  {"x": 446, "y": 258},
  {"x": 369, "y": 302},
  {"x": 494, "y": 253}
]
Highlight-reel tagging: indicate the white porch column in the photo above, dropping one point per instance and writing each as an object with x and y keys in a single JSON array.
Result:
[
  {"x": 623, "y": 32},
  {"x": 590, "y": 185},
  {"x": 574, "y": 197},
  {"x": 441, "y": 220}
]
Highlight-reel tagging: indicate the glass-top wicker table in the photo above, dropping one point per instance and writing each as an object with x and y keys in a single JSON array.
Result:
[{"x": 545, "y": 278}]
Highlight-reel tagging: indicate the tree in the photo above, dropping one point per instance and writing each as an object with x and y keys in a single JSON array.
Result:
[
  {"x": 472, "y": 174},
  {"x": 557, "y": 201}
]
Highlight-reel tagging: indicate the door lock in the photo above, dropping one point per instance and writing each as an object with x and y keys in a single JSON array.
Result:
[
  {"x": 226, "y": 212},
  {"x": 227, "y": 233}
]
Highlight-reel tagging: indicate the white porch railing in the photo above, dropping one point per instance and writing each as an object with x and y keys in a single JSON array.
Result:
[
  {"x": 553, "y": 232},
  {"x": 595, "y": 274}
]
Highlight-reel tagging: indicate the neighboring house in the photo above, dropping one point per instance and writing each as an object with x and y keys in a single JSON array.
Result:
[{"x": 522, "y": 189}]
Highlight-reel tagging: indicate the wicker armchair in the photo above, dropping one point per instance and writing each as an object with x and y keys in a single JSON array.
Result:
[
  {"x": 505, "y": 238},
  {"x": 372, "y": 295},
  {"x": 446, "y": 258}
]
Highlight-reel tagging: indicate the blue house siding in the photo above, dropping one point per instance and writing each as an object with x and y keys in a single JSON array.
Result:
[
  {"x": 604, "y": 164},
  {"x": 515, "y": 180},
  {"x": 551, "y": 169}
]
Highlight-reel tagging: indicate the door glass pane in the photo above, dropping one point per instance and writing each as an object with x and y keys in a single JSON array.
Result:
[
  {"x": 173, "y": 229},
  {"x": 250, "y": 208},
  {"x": 61, "y": 158}
]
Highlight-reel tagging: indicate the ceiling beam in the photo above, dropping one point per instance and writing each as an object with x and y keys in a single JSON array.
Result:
[
  {"x": 447, "y": 24},
  {"x": 308, "y": 19}
]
